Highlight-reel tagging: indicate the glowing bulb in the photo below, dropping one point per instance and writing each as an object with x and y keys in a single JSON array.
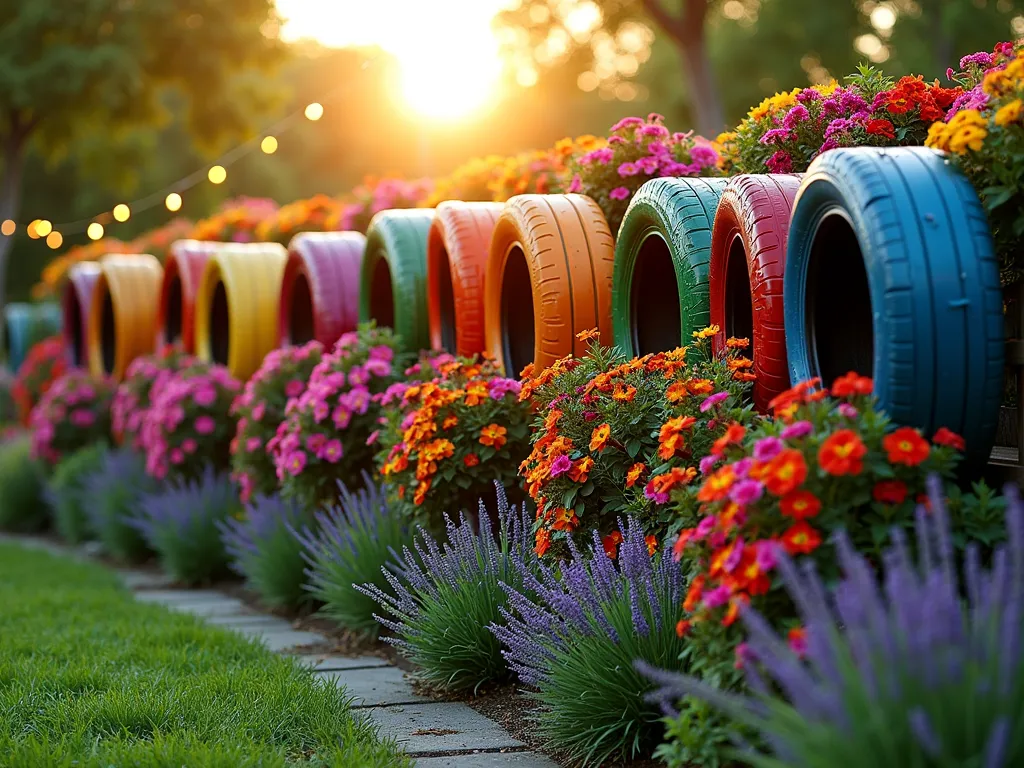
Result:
[
  {"x": 43, "y": 227},
  {"x": 217, "y": 174},
  {"x": 173, "y": 202},
  {"x": 8, "y": 227},
  {"x": 122, "y": 212},
  {"x": 55, "y": 240},
  {"x": 31, "y": 229},
  {"x": 314, "y": 111},
  {"x": 94, "y": 231},
  {"x": 269, "y": 145}
]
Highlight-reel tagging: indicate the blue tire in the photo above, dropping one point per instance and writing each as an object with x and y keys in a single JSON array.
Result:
[
  {"x": 24, "y": 325},
  {"x": 890, "y": 272}
]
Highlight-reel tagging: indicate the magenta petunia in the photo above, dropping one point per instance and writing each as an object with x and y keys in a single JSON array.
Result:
[
  {"x": 767, "y": 448},
  {"x": 619, "y": 193},
  {"x": 560, "y": 466},
  {"x": 797, "y": 430},
  {"x": 746, "y": 492},
  {"x": 205, "y": 425},
  {"x": 712, "y": 400}
]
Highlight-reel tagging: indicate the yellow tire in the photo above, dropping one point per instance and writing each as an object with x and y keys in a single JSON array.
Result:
[{"x": 122, "y": 316}]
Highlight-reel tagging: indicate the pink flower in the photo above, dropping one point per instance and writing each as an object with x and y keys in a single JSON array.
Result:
[
  {"x": 315, "y": 443},
  {"x": 628, "y": 169},
  {"x": 342, "y": 417},
  {"x": 780, "y": 162},
  {"x": 576, "y": 185},
  {"x": 295, "y": 463},
  {"x": 177, "y": 456},
  {"x": 332, "y": 452},
  {"x": 705, "y": 526},
  {"x": 742, "y": 467},
  {"x": 188, "y": 445},
  {"x": 767, "y": 448},
  {"x": 358, "y": 377},
  {"x": 708, "y": 463},
  {"x": 746, "y": 492},
  {"x": 716, "y": 597},
  {"x": 735, "y": 554},
  {"x": 560, "y": 466},
  {"x": 320, "y": 411},
  {"x": 766, "y": 555},
  {"x": 205, "y": 396},
  {"x": 294, "y": 388},
  {"x": 589, "y": 415},
  {"x": 258, "y": 411},
  {"x": 205, "y": 425},
  {"x": 848, "y": 411},
  {"x": 797, "y": 429},
  {"x": 81, "y": 417},
  {"x": 253, "y": 444},
  {"x": 619, "y": 193},
  {"x": 713, "y": 400},
  {"x": 704, "y": 155},
  {"x": 372, "y": 438},
  {"x": 378, "y": 367}
]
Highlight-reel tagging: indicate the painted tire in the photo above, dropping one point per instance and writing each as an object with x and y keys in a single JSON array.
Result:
[
  {"x": 908, "y": 291},
  {"x": 660, "y": 287},
  {"x": 549, "y": 277},
  {"x": 748, "y": 257},
  {"x": 77, "y": 302},
  {"x": 182, "y": 274},
  {"x": 320, "y": 287},
  {"x": 24, "y": 326},
  {"x": 122, "y": 315},
  {"x": 236, "y": 306},
  {"x": 393, "y": 278},
  {"x": 457, "y": 251}
]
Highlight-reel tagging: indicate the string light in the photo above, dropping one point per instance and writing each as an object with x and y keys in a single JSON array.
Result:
[
  {"x": 269, "y": 145},
  {"x": 95, "y": 231},
  {"x": 217, "y": 174},
  {"x": 173, "y": 202},
  {"x": 55, "y": 240},
  {"x": 8, "y": 227},
  {"x": 122, "y": 212},
  {"x": 31, "y": 229},
  {"x": 314, "y": 111},
  {"x": 43, "y": 228}
]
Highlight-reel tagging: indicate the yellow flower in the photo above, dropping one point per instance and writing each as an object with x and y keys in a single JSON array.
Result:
[
  {"x": 828, "y": 89},
  {"x": 968, "y": 137},
  {"x": 1009, "y": 113},
  {"x": 707, "y": 333},
  {"x": 996, "y": 83}
]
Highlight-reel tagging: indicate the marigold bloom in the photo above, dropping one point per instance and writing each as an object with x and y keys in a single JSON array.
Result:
[
  {"x": 733, "y": 343},
  {"x": 581, "y": 469},
  {"x": 700, "y": 386},
  {"x": 471, "y": 460},
  {"x": 906, "y": 446},
  {"x": 635, "y": 472},
  {"x": 449, "y": 422},
  {"x": 599, "y": 437},
  {"x": 493, "y": 435},
  {"x": 542, "y": 542},
  {"x": 623, "y": 393},
  {"x": 587, "y": 335},
  {"x": 565, "y": 519},
  {"x": 947, "y": 437},
  {"x": 652, "y": 544},
  {"x": 707, "y": 333},
  {"x": 801, "y": 539},
  {"x": 842, "y": 453},
  {"x": 476, "y": 392},
  {"x": 800, "y": 505},
  {"x": 421, "y": 492},
  {"x": 784, "y": 473}
]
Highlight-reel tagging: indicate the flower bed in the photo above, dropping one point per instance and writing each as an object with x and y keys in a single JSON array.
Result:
[{"x": 72, "y": 414}]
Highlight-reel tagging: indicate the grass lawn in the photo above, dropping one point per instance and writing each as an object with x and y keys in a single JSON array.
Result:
[{"x": 89, "y": 677}]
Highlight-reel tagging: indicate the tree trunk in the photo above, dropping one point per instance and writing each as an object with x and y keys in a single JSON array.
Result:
[
  {"x": 10, "y": 201},
  {"x": 687, "y": 30}
]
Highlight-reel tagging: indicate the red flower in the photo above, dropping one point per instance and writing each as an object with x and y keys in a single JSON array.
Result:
[
  {"x": 906, "y": 446},
  {"x": 683, "y": 628},
  {"x": 652, "y": 544},
  {"x": 542, "y": 542},
  {"x": 785, "y": 472},
  {"x": 842, "y": 453},
  {"x": 852, "y": 384},
  {"x": 733, "y": 434},
  {"x": 950, "y": 438},
  {"x": 694, "y": 594},
  {"x": 890, "y": 492},
  {"x": 611, "y": 544},
  {"x": 801, "y": 539},
  {"x": 471, "y": 460},
  {"x": 880, "y": 128},
  {"x": 800, "y": 505}
]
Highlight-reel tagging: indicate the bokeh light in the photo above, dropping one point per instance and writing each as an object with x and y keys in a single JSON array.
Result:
[
  {"x": 269, "y": 145},
  {"x": 122, "y": 212},
  {"x": 43, "y": 227},
  {"x": 94, "y": 231},
  {"x": 55, "y": 240},
  {"x": 8, "y": 227},
  {"x": 217, "y": 174},
  {"x": 173, "y": 202}
]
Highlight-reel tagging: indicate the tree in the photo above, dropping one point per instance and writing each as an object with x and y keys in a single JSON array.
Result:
[{"x": 72, "y": 72}]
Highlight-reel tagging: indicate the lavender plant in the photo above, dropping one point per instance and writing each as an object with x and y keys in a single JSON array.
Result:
[
  {"x": 180, "y": 524},
  {"x": 66, "y": 492},
  {"x": 265, "y": 551},
  {"x": 575, "y": 642},
  {"x": 355, "y": 540},
  {"x": 443, "y": 598},
  {"x": 916, "y": 667},
  {"x": 113, "y": 494}
]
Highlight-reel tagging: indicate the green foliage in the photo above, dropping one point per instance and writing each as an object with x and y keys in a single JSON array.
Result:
[
  {"x": 67, "y": 492},
  {"x": 22, "y": 507},
  {"x": 114, "y": 493},
  {"x": 93, "y": 678}
]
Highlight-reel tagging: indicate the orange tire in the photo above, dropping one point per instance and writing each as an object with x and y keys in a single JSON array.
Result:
[
  {"x": 122, "y": 318},
  {"x": 78, "y": 292},
  {"x": 182, "y": 273},
  {"x": 549, "y": 277},
  {"x": 457, "y": 250}
]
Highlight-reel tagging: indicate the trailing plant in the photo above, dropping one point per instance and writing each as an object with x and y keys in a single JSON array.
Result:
[
  {"x": 22, "y": 507},
  {"x": 260, "y": 409},
  {"x": 442, "y": 598},
  {"x": 265, "y": 551},
  {"x": 68, "y": 494},
  {"x": 574, "y": 640},
  {"x": 350, "y": 546},
  {"x": 913, "y": 666},
  {"x": 180, "y": 523},
  {"x": 72, "y": 414},
  {"x": 113, "y": 494}
]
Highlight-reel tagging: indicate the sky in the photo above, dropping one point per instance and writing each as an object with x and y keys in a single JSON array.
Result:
[{"x": 447, "y": 51}]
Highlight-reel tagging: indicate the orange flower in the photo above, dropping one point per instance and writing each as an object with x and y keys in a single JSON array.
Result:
[
  {"x": 733, "y": 612},
  {"x": 852, "y": 384},
  {"x": 542, "y": 541},
  {"x": 889, "y": 492},
  {"x": 733, "y": 343},
  {"x": 634, "y": 474},
  {"x": 749, "y": 576},
  {"x": 565, "y": 519},
  {"x": 664, "y": 483},
  {"x": 801, "y": 539},
  {"x": 677, "y": 391},
  {"x": 593, "y": 333},
  {"x": 421, "y": 492},
  {"x": 740, "y": 362},
  {"x": 800, "y": 505},
  {"x": 683, "y": 628},
  {"x": 906, "y": 446},
  {"x": 471, "y": 460},
  {"x": 744, "y": 376},
  {"x": 716, "y": 486},
  {"x": 950, "y": 438},
  {"x": 599, "y": 437},
  {"x": 580, "y": 470},
  {"x": 784, "y": 472},
  {"x": 623, "y": 393},
  {"x": 733, "y": 434},
  {"x": 652, "y": 544},
  {"x": 527, "y": 371},
  {"x": 551, "y": 420},
  {"x": 476, "y": 392},
  {"x": 707, "y": 333},
  {"x": 700, "y": 386},
  {"x": 694, "y": 594},
  {"x": 493, "y": 435},
  {"x": 449, "y": 422},
  {"x": 842, "y": 453},
  {"x": 611, "y": 544}
]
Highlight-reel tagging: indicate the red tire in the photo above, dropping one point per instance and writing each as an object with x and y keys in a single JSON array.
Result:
[
  {"x": 320, "y": 287},
  {"x": 182, "y": 274},
  {"x": 457, "y": 251},
  {"x": 748, "y": 256},
  {"x": 77, "y": 300}
]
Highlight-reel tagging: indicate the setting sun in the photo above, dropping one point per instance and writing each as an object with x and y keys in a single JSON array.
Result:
[{"x": 447, "y": 51}]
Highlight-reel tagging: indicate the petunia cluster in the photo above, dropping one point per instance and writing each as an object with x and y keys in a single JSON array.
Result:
[
  {"x": 188, "y": 427},
  {"x": 446, "y": 441},
  {"x": 315, "y": 214},
  {"x": 828, "y": 460},
  {"x": 326, "y": 428},
  {"x": 607, "y": 438},
  {"x": 73, "y": 413},
  {"x": 636, "y": 151},
  {"x": 376, "y": 195},
  {"x": 45, "y": 362},
  {"x": 260, "y": 409},
  {"x": 133, "y": 397}
]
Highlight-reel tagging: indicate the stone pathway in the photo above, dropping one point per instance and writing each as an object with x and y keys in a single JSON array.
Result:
[{"x": 439, "y": 734}]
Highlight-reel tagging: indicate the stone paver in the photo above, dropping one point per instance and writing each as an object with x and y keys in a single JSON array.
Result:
[
  {"x": 144, "y": 580},
  {"x": 181, "y": 595},
  {"x": 438, "y": 727},
  {"x": 320, "y": 663},
  {"x": 282, "y": 640},
  {"x": 489, "y": 760},
  {"x": 247, "y": 620},
  {"x": 378, "y": 686}
]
